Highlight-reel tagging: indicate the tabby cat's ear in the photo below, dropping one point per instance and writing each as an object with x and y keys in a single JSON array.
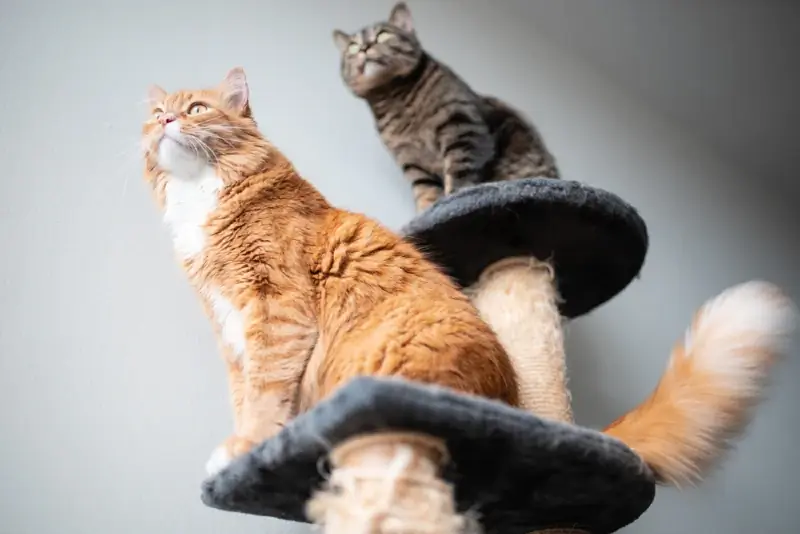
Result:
[
  {"x": 401, "y": 17},
  {"x": 155, "y": 95},
  {"x": 234, "y": 89},
  {"x": 341, "y": 39}
]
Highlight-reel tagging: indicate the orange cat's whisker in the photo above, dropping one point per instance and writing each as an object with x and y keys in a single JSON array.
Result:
[
  {"x": 211, "y": 133},
  {"x": 198, "y": 145}
]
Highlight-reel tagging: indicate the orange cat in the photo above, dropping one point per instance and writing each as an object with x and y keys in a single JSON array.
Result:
[{"x": 303, "y": 296}]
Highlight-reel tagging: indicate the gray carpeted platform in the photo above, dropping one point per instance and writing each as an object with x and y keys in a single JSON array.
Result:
[
  {"x": 597, "y": 241},
  {"x": 518, "y": 472}
]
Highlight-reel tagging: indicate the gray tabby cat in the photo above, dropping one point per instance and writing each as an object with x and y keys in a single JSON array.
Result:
[{"x": 442, "y": 134}]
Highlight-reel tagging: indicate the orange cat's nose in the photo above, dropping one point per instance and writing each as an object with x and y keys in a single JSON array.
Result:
[{"x": 166, "y": 118}]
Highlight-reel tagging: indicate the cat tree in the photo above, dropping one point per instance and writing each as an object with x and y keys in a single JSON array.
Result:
[
  {"x": 532, "y": 252},
  {"x": 528, "y": 252}
]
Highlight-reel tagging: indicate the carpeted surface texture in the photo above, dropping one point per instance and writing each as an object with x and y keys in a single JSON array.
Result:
[
  {"x": 518, "y": 472},
  {"x": 597, "y": 242}
]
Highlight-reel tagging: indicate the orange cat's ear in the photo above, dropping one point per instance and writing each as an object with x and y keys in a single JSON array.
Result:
[
  {"x": 235, "y": 92},
  {"x": 155, "y": 95},
  {"x": 400, "y": 17},
  {"x": 341, "y": 39}
]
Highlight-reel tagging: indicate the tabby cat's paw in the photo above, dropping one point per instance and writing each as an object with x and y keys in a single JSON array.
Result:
[{"x": 225, "y": 453}]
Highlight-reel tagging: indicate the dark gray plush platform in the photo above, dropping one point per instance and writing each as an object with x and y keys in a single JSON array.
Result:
[
  {"x": 597, "y": 241},
  {"x": 518, "y": 472}
]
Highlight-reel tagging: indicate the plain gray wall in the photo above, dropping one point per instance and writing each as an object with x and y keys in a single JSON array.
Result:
[{"x": 112, "y": 394}]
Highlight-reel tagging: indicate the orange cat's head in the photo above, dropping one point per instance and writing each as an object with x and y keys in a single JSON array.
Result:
[{"x": 191, "y": 130}]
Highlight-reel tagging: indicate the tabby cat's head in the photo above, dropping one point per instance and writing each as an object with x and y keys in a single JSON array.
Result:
[
  {"x": 190, "y": 130},
  {"x": 378, "y": 54}
]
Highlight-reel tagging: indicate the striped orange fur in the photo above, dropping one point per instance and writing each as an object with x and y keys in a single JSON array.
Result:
[
  {"x": 714, "y": 380},
  {"x": 303, "y": 296}
]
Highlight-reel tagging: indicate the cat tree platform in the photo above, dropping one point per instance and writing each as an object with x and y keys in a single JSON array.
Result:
[
  {"x": 514, "y": 472},
  {"x": 595, "y": 241}
]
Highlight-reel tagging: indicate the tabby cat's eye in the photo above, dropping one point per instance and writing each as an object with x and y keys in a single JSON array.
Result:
[
  {"x": 353, "y": 48},
  {"x": 197, "y": 108},
  {"x": 383, "y": 37}
]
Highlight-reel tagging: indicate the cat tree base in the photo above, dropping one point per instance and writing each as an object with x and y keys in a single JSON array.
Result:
[
  {"x": 594, "y": 240},
  {"x": 512, "y": 472}
]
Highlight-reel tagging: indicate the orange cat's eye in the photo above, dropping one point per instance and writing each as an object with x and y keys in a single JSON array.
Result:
[
  {"x": 196, "y": 108},
  {"x": 157, "y": 112}
]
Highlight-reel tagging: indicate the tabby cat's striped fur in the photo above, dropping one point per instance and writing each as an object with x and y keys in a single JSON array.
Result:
[{"x": 443, "y": 135}]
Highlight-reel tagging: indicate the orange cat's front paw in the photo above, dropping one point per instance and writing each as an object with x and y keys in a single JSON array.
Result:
[{"x": 223, "y": 455}]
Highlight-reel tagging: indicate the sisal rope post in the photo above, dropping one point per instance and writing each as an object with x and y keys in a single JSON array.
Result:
[
  {"x": 518, "y": 298},
  {"x": 388, "y": 483}
]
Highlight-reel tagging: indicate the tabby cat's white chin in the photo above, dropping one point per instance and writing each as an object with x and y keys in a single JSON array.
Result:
[{"x": 372, "y": 68}]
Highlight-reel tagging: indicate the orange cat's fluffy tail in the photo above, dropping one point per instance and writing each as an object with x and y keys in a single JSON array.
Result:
[{"x": 713, "y": 382}]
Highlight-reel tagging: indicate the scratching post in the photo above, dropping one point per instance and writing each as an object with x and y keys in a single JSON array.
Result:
[
  {"x": 530, "y": 253},
  {"x": 519, "y": 300},
  {"x": 387, "y": 483}
]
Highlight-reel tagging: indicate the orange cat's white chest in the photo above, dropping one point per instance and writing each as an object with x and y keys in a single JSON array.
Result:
[
  {"x": 231, "y": 322},
  {"x": 189, "y": 203}
]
